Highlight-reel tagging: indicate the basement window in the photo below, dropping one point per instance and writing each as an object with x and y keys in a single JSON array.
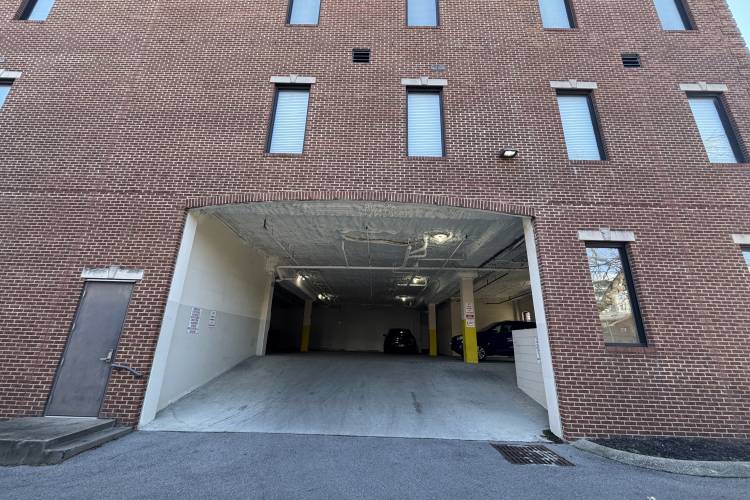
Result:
[
  {"x": 424, "y": 110},
  {"x": 673, "y": 15},
  {"x": 614, "y": 290},
  {"x": 5, "y": 86},
  {"x": 303, "y": 12},
  {"x": 580, "y": 126},
  {"x": 556, "y": 14},
  {"x": 422, "y": 13},
  {"x": 36, "y": 10},
  {"x": 289, "y": 120},
  {"x": 716, "y": 131}
]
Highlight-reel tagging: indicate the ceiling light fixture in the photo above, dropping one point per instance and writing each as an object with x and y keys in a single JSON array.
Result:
[
  {"x": 403, "y": 298},
  {"x": 419, "y": 281},
  {"x": 508, "y": 153},
  {"x": 440, "y": 237}
]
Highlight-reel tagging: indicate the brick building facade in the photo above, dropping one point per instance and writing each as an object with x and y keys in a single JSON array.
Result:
[{"x": 127, "y": 114}]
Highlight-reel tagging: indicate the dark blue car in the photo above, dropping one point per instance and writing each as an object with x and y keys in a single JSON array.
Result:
[{"x": 494, "y": 340}]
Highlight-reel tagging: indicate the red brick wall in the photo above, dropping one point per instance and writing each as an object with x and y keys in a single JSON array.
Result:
[{"x": 128, "y": 110}]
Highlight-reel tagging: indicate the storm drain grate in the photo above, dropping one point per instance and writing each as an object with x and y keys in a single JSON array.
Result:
[{"x": 530, "y": 454}]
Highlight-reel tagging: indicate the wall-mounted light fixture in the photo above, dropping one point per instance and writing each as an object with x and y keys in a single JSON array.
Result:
[{"x": 508, "y": 153}]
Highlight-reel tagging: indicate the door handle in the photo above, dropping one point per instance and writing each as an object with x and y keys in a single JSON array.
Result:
[
  {"x": 135, "y": 373},
  {"x": 108, "y": 357}
]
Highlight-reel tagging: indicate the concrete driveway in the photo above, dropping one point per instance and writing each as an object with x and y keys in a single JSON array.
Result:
[
  {"x": 362, "y": 394},
  {"x": 285, "y": 466}
]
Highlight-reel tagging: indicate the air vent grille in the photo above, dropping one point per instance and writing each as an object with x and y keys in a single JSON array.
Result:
[
  {"x": 361, "y": 56},
  {"x": 631, "y": 60}
]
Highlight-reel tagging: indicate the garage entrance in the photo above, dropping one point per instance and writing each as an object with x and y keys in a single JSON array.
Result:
[{"x": 279, "y": 315}]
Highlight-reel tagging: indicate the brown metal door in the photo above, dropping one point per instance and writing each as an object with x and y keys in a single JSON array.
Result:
[{"x": 84, "y": 370}]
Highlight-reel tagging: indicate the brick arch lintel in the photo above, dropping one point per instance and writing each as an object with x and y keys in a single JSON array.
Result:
[{"x": 376, "y": 196}]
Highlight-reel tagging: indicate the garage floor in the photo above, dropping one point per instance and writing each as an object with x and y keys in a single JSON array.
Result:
[{"x": 361, "y": 394}]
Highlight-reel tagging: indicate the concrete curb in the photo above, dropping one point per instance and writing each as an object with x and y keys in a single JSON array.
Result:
[{"x": 688, "y": 467}]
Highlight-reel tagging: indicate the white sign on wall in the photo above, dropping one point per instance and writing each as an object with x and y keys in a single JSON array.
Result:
[
  {"x": 469, "y": 315},
  {"x": 195, "y": 318}
]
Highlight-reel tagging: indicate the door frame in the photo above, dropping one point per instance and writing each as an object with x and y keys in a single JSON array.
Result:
[{"x": 112, "y": 274}]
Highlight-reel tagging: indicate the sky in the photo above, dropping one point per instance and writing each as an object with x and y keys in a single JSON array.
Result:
[{"x": 741, "y": 11}]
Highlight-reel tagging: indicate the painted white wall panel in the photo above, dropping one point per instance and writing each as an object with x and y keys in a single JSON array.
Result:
[
  {"x": 359, "y": 328},
  {"x": 492, "y": 313},
  {"x": 449, "y": 320},
  {"x": 229, "y": 278},
  {"x": 528, "y": 366}
]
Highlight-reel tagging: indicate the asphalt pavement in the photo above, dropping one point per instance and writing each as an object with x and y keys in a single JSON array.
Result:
[{"x": 288, "y": 466}]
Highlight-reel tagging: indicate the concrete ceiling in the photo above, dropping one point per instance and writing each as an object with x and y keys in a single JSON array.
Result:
[{"x": 400, "y": 237}]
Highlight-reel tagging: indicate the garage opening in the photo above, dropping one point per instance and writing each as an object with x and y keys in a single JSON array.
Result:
[{"x": 354, "y": 318}]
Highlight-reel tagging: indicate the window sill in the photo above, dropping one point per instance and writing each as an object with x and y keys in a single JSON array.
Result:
[
  {"x": 629, "y": 349},
  {"x": 743, "y": 165},
  {"x": 422, "y": 27},
  {"x": 427, "y": 158},
  {"x": 283, "y": 155},
  {"x": 301, "y": 25},
  {"x": 680, "y": 31},
  {"x": 30, "y": 21},
  {"x": 562, "y": 30},
  {"x": 589, "y": 162}
]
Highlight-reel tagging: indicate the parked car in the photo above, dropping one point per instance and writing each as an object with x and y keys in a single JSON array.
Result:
[
  {"x": 494, "y": 340},
  {"x": 400, "y": 341}
]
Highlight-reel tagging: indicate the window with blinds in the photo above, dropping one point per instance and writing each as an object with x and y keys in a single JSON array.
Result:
[
  {"x": 425, "y": 123},
  {"x": 556, "y": 14},
  {"x": 422, "y": 12},
  {"x": 37, "y": 10},
  {"x": 289, "y": 120},
  {"x": 4, "y": 90},
  {"x": 304, "y": 12},
  {"x": 672, "y": 14},
  {"x": 715, "y": 129},
  {"x": 580, "y": 126}
]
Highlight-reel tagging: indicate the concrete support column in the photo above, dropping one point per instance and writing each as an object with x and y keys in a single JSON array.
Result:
[
  {"x": 432, "y": 329},
  {"x": 540, "y": 316},
  {"x": 169, "y": 322},
  {"x": 265, "y": 308},
  {"x": 306, "y": 322},
  {"x": 468, "y": 318}
]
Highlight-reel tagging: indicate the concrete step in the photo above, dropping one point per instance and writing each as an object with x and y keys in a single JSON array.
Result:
[
  {"x": 79, "y": 445},
  {"x": 99, "y": 424},
  {"x": 27, "y": 441}
]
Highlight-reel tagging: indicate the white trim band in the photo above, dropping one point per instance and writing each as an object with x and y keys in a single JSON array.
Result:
[
  {"x": 112, "y": 273},
  {"x": 6, "y": 74},
  {"x": 423, "y": 81},
  {"x": 741, "y": 239},
  {"x": 573, "y": 85},
  {"x": 605, "y": 234},
  {"x": 294, "y": 79},
  {"x": 703, "y": 87}
]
